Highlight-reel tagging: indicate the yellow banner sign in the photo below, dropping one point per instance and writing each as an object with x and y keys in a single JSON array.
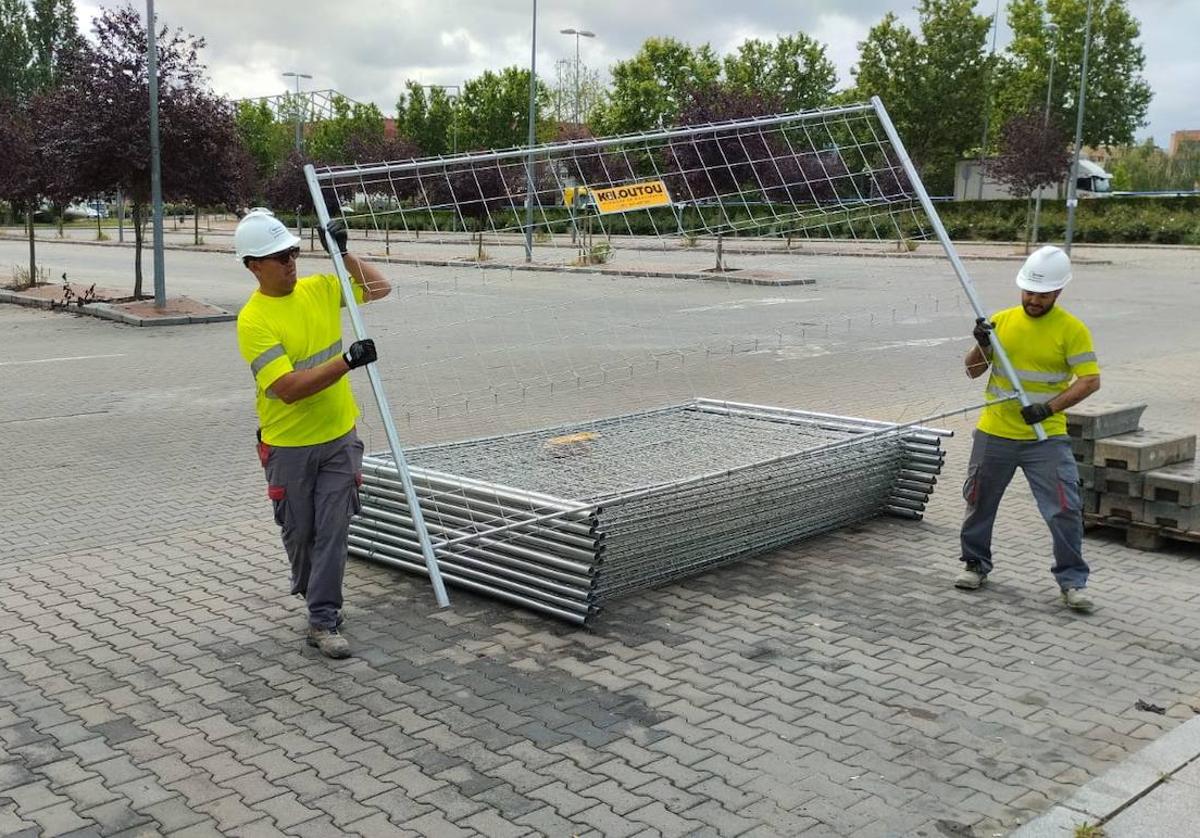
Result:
[{"x": 648, "y": 193}]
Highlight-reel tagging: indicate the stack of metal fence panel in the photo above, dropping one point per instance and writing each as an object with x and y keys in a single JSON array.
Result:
[{"x": 564, "y": 519}]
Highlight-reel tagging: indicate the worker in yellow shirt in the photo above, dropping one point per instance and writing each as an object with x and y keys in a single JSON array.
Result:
[
  {"x": 290, "y": 333},
  {"x": 1051, "y": 352}
]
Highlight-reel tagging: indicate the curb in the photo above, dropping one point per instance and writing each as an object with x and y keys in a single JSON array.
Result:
[
  {"x": 748, "y": 279},
  {"x": 107, "y": 311},
  {"x": 1122, "y": 786}
]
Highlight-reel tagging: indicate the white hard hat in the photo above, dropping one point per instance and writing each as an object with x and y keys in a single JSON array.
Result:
[
  {"x": 260, "y": 233},
  {"x": 1047, "y": 269}
]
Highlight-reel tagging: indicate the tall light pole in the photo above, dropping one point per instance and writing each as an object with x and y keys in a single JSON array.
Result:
[
  {"x": 987, "y": 100},
  {"x": 299, "y": 136},
  {"x": 299, "y": 108},
  {"x": 160, "y": 269},
  {"x": 578, "y": 33},
  {"x": 1052, "y": 31},
  {"x": 454, "y": 118},
  {"x": 532, "y": 138},
  {"x": 1073, "y": 186}
]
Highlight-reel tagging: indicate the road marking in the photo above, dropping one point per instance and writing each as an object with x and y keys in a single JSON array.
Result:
[
  {"x": 56, "y": 416},
  {"x": 52, "y": 360},
  {"x": 747, "y": 303},
  {"x": 925, "y": 342}
]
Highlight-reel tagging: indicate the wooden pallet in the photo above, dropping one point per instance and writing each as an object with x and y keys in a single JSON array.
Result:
[{"x": 1138, "y": 535}]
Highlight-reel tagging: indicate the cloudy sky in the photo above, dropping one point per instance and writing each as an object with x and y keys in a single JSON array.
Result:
[{"x": 367, "y": 48}]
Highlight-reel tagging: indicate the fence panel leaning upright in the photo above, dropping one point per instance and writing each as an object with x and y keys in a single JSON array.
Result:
[
  {"x": 393, "y": 437},
  {"x": 679, "y": 377}
]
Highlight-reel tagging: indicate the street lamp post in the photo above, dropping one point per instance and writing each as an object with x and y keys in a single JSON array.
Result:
[
  {"x": 578, "y": 33},
  {"x": 160, "y": 270},
  {"x": 1073, "y": 186},
  {"x": 987, "y": 102},
  {"x": 532, "y": 138},
  {"x": 1052, "y": 31},
  {"x": 299, "y": 110},
  {"x": 299, "y": 137},
  {"x": 454, "y": 118}
]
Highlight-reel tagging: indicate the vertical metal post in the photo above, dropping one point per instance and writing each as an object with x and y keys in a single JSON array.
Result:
[
  {"x": 987, "y": 100},
  {"x": 1073, "y": 186},
  {"x": 120, "y": 216},
  {"x": 389, "y": 426},
  {"x": 1037, "y": 206},
  {"x": 299, "y": 108},
  {"x": 963, "y": 278},
  {"x": 299, "y": 136},
  {"x": 532, "y": 138},
  {"x": 160, "y": 287}
]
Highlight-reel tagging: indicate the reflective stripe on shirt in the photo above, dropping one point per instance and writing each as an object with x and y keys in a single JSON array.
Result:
[
  {"x": 256, "y": 366},
  {"x": 319, "y": 358},
  {"x": 1034, "y": 398},
  {"x": 1043, "y": 377}
]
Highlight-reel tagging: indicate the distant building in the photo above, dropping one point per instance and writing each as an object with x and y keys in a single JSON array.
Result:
[{"x": 1178, "y": 138}]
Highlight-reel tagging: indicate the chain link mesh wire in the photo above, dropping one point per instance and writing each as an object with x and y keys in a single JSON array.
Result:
[{"x": 781, "y": 261}]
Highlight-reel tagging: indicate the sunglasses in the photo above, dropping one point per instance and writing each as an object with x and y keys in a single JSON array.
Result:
[{"x": 283, "y": 256}]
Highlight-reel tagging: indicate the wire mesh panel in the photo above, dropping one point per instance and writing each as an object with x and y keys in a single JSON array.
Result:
[
  {"x": 755, "y": 271},
  {"x": 826, "y": 176}
]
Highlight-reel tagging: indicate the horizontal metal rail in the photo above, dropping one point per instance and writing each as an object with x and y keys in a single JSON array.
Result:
[{"x": 521, "y": 153}]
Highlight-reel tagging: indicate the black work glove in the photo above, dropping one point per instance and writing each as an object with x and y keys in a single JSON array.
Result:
[
  {"x": 1034, "y": 413},
  {"x": 360, "y": 353},
  {"x": 983, "y": 334},
  {"x": 337, "y": 230}
]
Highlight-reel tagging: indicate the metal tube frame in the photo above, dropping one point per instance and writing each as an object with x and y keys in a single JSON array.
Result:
[
  {"x": 360, "y": 332},
  {"x": 940, "y": 231},
  {"x": 354, "y": 172}
]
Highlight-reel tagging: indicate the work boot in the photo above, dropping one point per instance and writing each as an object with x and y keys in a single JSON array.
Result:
[
  {"x": 970, "y": 579},
  {"x": 330, "y": 643},
  {"x": 1077, "y": 599}
]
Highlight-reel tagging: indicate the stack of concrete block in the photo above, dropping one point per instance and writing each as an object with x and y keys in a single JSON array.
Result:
[{"x": 1144, "y": 479}]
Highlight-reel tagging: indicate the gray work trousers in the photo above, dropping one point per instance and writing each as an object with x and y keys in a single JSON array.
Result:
[
  {"x": 1050, "y": 468},
  {"x": 314, "y": 489}
]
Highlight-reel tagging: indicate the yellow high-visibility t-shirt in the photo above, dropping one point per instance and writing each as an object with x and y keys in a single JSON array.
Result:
[
  {"x": 1047, "y": 353},
  {"x": 296, "y": 332}
]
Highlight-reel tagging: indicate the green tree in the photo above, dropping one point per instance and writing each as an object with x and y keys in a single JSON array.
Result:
[
  {"x": 1118, "y": 96},
  {"x": 650, "y": 89},
  {"x": 52, "y": 33},
  {"x": 16, "y": 53},
  {"x": 934, "y": 84},
  {"x": 794, "y": 69},
  {"x": 1147, "y": 168},
  {"x": 265, "y": 138},
  {"x": 353, "y": 124},
  {"x": 427, "y": 120},
  {"x": 494, "y": 110}
]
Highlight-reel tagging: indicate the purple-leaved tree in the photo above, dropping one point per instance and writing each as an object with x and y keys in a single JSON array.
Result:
[
  {"x": 1033, "y": 154},
  {"x": 99, "y": 116}
]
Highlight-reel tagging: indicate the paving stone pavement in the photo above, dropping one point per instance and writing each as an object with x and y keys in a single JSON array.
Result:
[{"x": 154, "y": 680}]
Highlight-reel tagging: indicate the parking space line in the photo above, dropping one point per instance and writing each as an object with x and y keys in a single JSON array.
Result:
[{"x": 51, "y": 360}]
